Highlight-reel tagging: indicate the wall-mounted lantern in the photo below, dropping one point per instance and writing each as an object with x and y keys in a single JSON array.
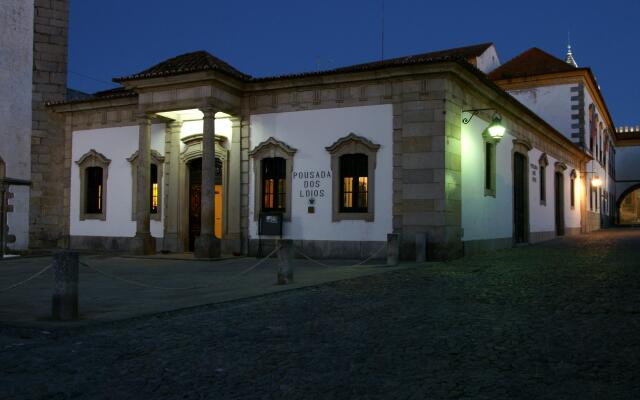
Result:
[
  {"x": 495, "y": 129},
  {"x": 596, "y": 181}
]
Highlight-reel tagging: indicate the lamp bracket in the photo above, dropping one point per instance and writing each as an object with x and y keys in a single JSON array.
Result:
[{"x": 475, "y": 112}]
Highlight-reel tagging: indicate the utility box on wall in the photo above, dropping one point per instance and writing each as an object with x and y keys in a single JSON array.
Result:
[{"x": 270, "y": 224}]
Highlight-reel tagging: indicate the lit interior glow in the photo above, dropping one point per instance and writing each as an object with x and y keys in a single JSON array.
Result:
[
  {"x": 154, "y": 196},
  {"x": 596, "y": 181}
]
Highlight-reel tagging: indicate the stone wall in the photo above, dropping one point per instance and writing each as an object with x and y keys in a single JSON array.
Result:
[{"x": 47, "y": 138}]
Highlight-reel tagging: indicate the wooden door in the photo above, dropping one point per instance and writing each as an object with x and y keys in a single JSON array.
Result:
[
  {"x": 559, "y": 201},
  {"x": 520, "y": 209},
  {"x": 195, "y": 193}
]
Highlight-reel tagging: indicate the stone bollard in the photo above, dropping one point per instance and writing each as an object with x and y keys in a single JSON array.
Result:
[
  {"x": 65, "y": 286},
  {"x": 393, "y": 248},
  {"x": 421, "y": 247},
  {"x": 285, "y": 255}
]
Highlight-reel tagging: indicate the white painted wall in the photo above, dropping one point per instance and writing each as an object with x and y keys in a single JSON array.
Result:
[
  {"x": 488, "y": 61},
  {"x": 486, "y": 217},
  {"x": 551, "y": 103},
  {"x": 310, "y": 132},
  {"x": 117, "y": 144},
  {"x": 16, "y": 63}
]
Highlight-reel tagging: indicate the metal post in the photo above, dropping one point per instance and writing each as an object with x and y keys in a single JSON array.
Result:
[
  {"x": 393, "y": 248},
  {"x": 285, "y": 255},
  {"x": 65, "y": 287}
]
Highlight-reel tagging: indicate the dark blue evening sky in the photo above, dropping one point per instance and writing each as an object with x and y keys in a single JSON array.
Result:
[{"x": 120, "y": 37}]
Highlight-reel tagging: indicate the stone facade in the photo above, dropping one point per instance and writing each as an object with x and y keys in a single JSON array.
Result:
[
  {"x": 16, "y": 58},
  {"x": 48, "y": 201}
]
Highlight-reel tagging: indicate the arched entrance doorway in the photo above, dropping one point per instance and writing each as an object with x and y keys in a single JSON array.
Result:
[
  {"x": 629, "y": 206},
  {"x": 195, "y": 189}
]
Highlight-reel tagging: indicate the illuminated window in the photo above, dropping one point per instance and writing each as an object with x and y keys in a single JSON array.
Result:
[
  {"x": 94, "y": 190},
  {"x": 353, "y": 161},
  {"x": 156, "y": 163},
  {"x": 155, "y": 199},
  {"x": 93, "y": 168},
  {"x": 272, "y": 165},
  {"x": 354, "y": 178},
  {"x": 274, "y": 184}
]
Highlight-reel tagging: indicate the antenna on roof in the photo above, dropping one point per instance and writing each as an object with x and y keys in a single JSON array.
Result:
[{"x": 382, "y": 33}]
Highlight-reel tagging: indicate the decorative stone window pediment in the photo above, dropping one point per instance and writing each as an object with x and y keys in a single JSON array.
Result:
[
  {"x": 560, "y": 166},
  {"x": 271, "y": 148},
  {"x": 93, "y": 159},
  {"x": 349, "y": 145},
  {"x": 157, "y": 159}
]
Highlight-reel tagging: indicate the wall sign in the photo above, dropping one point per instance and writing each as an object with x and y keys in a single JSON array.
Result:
[{"x": 312, "y": 184}]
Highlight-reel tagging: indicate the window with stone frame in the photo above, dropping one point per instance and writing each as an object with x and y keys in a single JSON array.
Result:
[
  {"x": 155, "y": 184},
  {"x": 353, "y": 163},
  {"x": 272, "y": 178},
  {"x": 93, "y": 170},
  {"x": 543, "y": 162},
  {"x": 490, "y": 180}
]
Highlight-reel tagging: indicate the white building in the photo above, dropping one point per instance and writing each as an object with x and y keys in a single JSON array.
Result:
[
  {"x": 16, "y": 61},
  {"x": 568, "y": 97},
  {"x": 343, "y": 156}
]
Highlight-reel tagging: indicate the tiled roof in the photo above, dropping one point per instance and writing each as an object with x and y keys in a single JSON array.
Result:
[
  {"x": 186, "y": 63},
  {"x": 465, "y": 53},
  {"x": 530, "y": 63},
  {"x": 116, "y": 93},
  {"x": 202, "y": 61}
]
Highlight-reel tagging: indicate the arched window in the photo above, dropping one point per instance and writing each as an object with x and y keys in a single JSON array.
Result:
[
  {"x": 353, "y": 163},
  {"x": 272, "y": 170},
  {"x": 94, "y": 170},
  {"x": 155, "y": 184}
]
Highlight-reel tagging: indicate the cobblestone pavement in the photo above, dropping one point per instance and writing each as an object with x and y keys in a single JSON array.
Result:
[{"x": 553, "y": 321}]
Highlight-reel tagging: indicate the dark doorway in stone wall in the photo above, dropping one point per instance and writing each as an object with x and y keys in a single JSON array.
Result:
[
  {"x": 559, "y": 200},
  {"x": 520, "y": 201},
  {"x": 195, "y": 195}
]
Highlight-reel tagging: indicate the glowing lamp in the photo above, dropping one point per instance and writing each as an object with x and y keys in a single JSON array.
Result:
[
  {"x": 496, "y": 129},
  {"x": 596, "y": 182}
]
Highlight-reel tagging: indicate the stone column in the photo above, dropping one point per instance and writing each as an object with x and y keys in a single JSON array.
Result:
[
  {"x": 171, "y": 183},
  {"x": 143, "y": 243},
  {"x": 233, "y": 189},
  {"x": 207, "y": 245}
]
